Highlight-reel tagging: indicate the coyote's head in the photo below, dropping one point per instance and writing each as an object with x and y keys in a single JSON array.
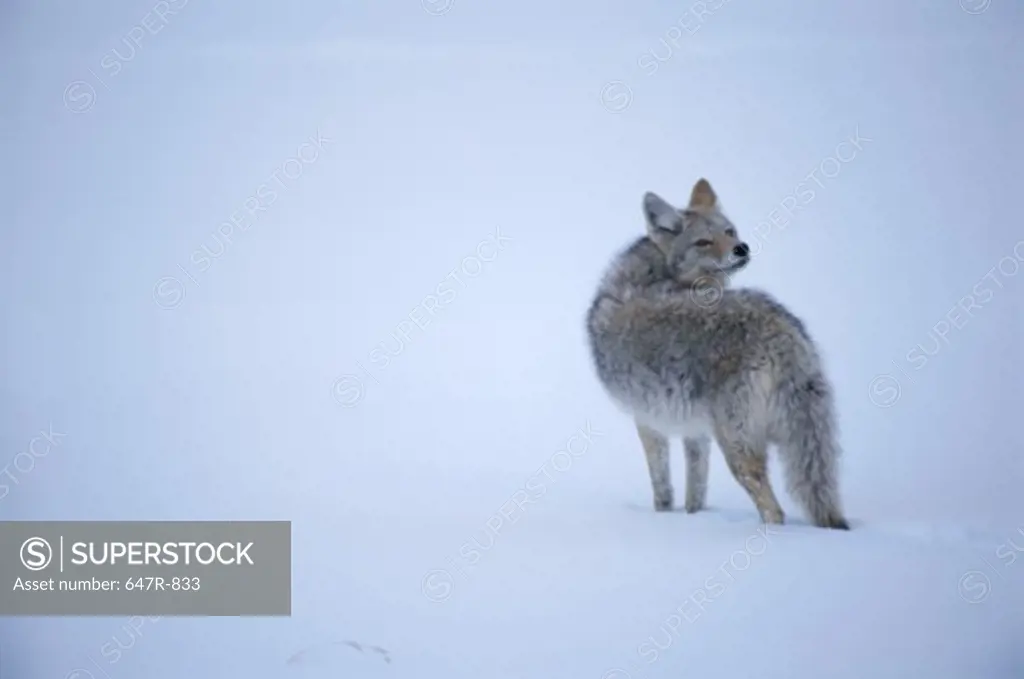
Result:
[{"x": 698, "y": 241}]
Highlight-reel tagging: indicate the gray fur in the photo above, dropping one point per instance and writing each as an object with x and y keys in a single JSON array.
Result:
[{"x": 687, "y": 356}]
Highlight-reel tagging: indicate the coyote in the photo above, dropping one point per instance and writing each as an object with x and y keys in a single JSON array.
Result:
[{"x": 687, "y": 356}]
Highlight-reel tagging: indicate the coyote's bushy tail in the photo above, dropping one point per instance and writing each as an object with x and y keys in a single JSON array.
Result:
[{"x": 811, "y": 450}]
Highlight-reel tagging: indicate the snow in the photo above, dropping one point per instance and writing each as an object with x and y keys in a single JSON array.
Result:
[{"x": 391, "y": 354}]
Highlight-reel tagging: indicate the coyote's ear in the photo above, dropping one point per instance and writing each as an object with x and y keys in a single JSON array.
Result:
[
  {"x": 703, "y": 196},
  {"x": 660, "y": 215}
]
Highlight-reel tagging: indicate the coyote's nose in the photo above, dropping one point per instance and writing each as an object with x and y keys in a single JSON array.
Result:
[{"x": 741, "y": 250}]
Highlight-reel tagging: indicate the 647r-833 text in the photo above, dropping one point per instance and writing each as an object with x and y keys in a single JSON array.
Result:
[{"x": 160, "y": 584}]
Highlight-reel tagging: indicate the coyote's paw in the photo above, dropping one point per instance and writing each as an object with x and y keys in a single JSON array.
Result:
[
  {"x": 663, "y": 503},
  {"x": 835, "y": 523},
  {"x": 773, "y": 516}
]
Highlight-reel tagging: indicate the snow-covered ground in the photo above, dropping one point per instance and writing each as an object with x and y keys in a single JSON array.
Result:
[{"x": 390, "y": 353}]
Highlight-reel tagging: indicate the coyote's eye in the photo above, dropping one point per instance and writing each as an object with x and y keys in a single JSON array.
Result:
[
  {"x": 703, "y": 243},
  {"x": 731, "y": 233}
]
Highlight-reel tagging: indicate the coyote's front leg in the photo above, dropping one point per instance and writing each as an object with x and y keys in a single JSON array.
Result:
[
  {"x": 698, "y": 453},
  {"x": 656, "y": 449}
]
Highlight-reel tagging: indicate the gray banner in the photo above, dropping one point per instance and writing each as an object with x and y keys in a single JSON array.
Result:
[{"x": 231, "y": 568}]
